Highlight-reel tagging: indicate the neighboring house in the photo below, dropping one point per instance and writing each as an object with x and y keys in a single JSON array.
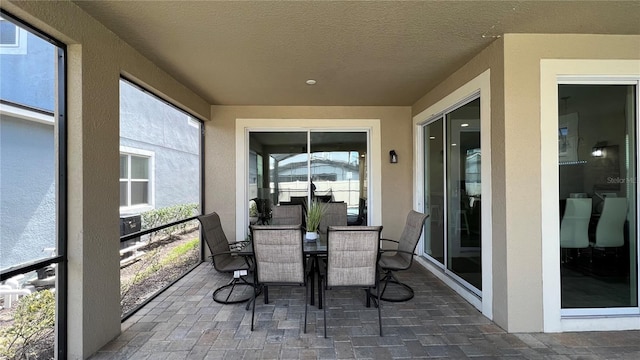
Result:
[
  {"x": 159, "y": 146},
  {"x": 27, "y": 147},
  {"x": 159, "y": 153}
]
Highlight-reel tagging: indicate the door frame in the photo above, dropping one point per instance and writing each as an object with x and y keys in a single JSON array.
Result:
[
  {"x": 479, "y": 87},
  {"x": 370, "y": 126},
  {"x": 552, "y": 73}
]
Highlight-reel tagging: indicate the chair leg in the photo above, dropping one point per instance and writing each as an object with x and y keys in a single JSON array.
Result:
[
  {"x": 306, "y": 301},
  {"x": 324, "y": 311},
  {"x": 253, "y": 311},
  {"x": 233, "y": 283},
  {"x": 389, "y": 277},
  {"x": 379, "y": 313}
]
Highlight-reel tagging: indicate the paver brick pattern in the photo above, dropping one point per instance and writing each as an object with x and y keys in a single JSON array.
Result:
[{"x": 185, "y": 323}]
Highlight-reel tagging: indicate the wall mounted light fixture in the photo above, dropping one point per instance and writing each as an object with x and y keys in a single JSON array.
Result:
[
  {"x": 598, "y": 149},
  {"x": 393, "y": 157}
]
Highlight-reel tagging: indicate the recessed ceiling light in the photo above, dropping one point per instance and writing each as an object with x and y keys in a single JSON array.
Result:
[
  {"x": 311, "y": 82},
  {"x": 432, "y": 137},
  {"x": 464, "y": 125},
  {"x": 454, "y": 144}
]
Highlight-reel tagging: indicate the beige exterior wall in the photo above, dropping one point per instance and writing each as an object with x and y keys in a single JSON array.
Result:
[
  {"x": 523, "y": 53},
  {"x": 514, "y": 61},
  {"x": 395, "y": 126},
  {"x": 96, "y": 59}
]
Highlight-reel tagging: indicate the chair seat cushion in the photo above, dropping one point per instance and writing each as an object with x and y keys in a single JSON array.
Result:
[
  {"x": 393, "y": 262},
  {"x": 231, "y": 263}
]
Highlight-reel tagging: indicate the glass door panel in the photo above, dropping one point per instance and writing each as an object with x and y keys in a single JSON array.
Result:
[
  {"x": 338, "y": 171},
  {"x": 278, "y": 171},
  {"x": 464, "y": 193},
  {"x": 434, "y": 190},
  {"x": 597, "y": 191},
  {"x": 453, "y": 191}
]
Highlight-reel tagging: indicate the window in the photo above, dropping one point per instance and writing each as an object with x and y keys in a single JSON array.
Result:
[
  {"x": 13, "y": 39},
  {"x": 33, "y": 181},
  {"x": 135, "y": 180},
  {"x": 8, "y": 33},
  {"x": 160, "y": 182}
]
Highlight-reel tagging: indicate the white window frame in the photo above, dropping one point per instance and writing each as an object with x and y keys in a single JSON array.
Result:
[
  {"x": 129, "y": 151},
  {"x": 19, "y": 47},
  {"x": 552, "y": 73},
  {"x": 479, "y": 85}
]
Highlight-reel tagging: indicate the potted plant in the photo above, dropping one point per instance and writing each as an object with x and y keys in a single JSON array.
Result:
[
  {"x": 253, "y": 212},
  {"x": 314, "y": 215}
]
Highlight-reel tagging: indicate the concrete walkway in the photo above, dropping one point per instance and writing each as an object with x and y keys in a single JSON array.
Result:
[{"x": 184, "y": 323}]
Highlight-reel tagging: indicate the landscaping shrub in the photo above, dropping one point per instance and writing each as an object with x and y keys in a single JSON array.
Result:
[{"x": 30, "y": 335}]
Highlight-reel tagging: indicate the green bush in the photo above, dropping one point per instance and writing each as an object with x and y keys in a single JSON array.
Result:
[
  {"x": 158, "y": 217},
  {"x": 33, "y": 323}
]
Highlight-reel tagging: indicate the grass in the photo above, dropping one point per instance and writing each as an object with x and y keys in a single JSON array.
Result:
[{"x": 171, "y": 257}]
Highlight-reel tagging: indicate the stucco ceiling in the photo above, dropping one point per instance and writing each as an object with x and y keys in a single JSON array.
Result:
[{"x": 360, "y": 53}]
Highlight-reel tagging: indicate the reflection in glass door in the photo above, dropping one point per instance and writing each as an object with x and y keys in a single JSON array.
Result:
[
  {"x": 463, "y": 192},
  {"x": 597, "y": 192},
  {"x": 453, "y": 192},
  {"x": 434, "y": 192},
  {"x": 282, "y": 171},
  {"x": 339, "y": 172}
]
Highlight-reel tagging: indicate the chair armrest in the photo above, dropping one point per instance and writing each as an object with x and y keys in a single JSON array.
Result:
[
  {"x": 388, "y": 244},
  {"x": 223, "y": 253},
  {"x": 247, "y": 257},
  {"x": 397, "y": 251}
]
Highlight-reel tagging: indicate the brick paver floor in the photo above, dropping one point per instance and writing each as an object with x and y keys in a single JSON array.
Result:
[{"x": 184, "y": 323}]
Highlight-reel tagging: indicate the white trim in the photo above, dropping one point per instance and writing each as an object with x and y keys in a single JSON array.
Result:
[
  {"x": 482, "y": 85},
  {"x": 139, "y": 208},
  {"x": 553, "y": 71},
  {"x": 26, "y": 114},
  {"x": 374, "y": 152}
]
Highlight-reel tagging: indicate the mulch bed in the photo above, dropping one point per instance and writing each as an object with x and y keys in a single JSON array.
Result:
[{"x": 137, "y": 294}]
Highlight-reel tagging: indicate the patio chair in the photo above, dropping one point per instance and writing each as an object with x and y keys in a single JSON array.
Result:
[
  {"x": 335, "y": 215},
  {"x": 286, "y": 215},
  {"x": 610, "y": 228},
  {"x": 352, "y": 261},
  {"x": 574, "y": 227},
  {"x": 279, "y": 260},
  {"x": 401, "y": 258},
  {"x": 224, "y": 260}
]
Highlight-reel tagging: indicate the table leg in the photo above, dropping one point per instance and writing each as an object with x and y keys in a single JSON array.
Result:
[
  {"x": 312, "y": 274},
  {"x": 319, "y": 283}
]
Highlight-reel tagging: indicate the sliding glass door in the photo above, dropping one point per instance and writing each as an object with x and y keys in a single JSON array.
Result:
[
  {"x": 288, "y": 167},
  {"x": 453, "y": 194},
  {"x": 598, "y": 197}
]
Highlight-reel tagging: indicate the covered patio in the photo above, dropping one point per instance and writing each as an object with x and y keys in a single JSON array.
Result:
[{"x": 185, "y": 323}]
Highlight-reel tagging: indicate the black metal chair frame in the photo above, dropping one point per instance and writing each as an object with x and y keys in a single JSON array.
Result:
[
  {"x": 230, "y": 250},
  {"x": 389, "y": 276}
]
